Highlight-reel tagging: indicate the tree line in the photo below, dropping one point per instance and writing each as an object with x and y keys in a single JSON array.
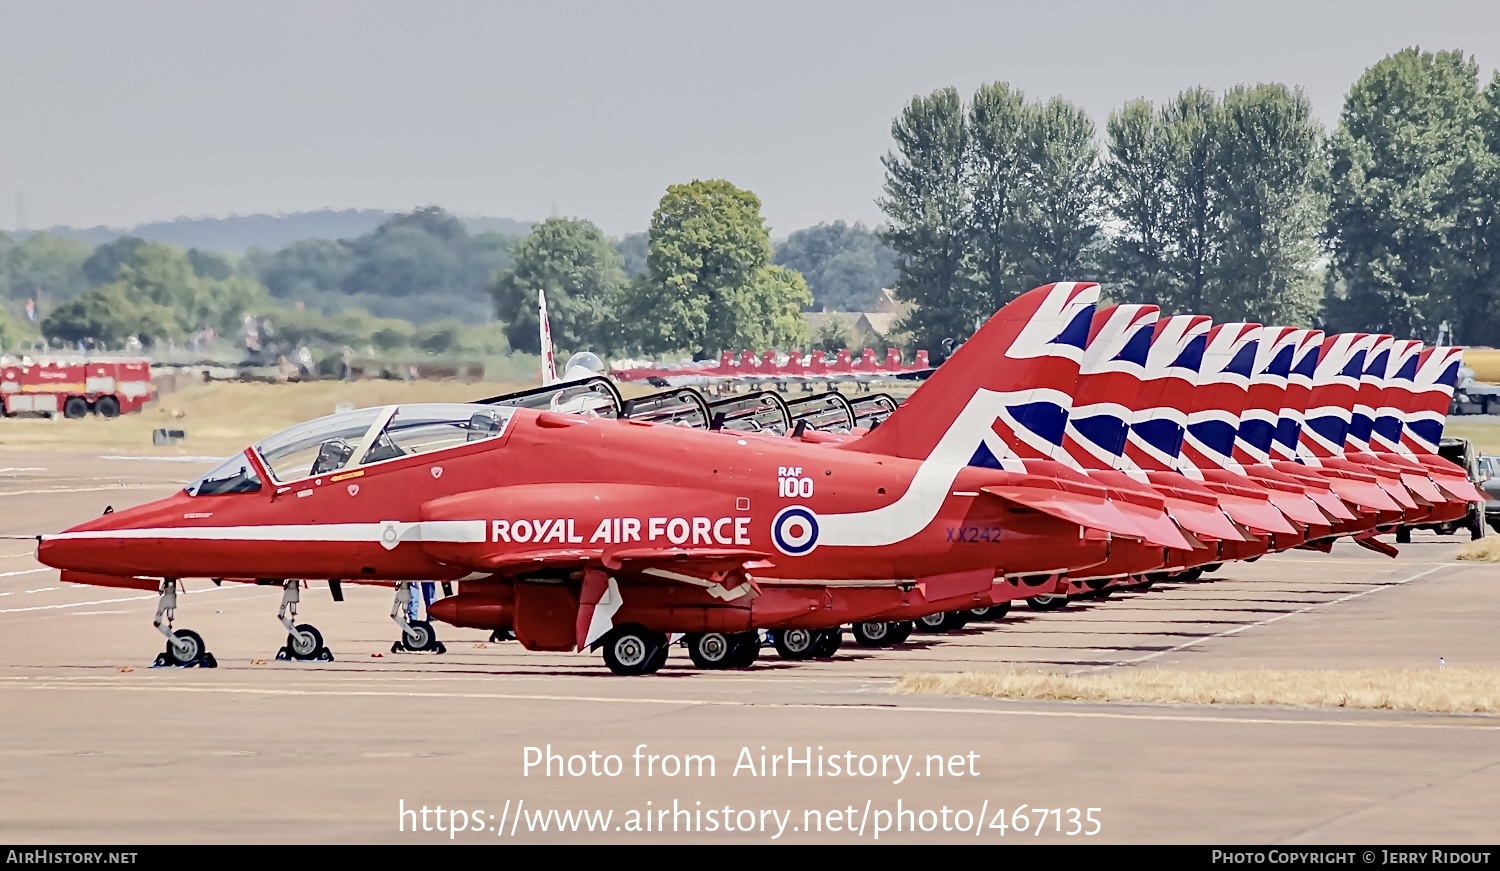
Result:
[{"x": 1240, "y": 205}]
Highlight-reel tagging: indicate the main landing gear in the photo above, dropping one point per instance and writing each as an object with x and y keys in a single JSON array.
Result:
[
  {"x": 303, "y": 640},
  {"x": 717, "y": 650},
  {"x": 802, "y": 644},
  {"x": 631, "y": 650},
  {"x": 416, "y": 635},
  {"x": 882, "y": 634},
  {"x": 184, "y": 646}
]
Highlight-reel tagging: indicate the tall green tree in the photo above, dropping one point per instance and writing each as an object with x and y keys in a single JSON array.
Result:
[
  {"x": 1061, "y": 186},
  {"x": 1193, "y": 121},
  {"x": 1269, "y": 168},
  {"x": 1473, "y": 302},
  {"x": 45, "y": 268},
  {"x": 928, "y": 202},
  {"x": 1137, "y": 189},
  {"x": 106, "y": 260},
  {"x": 710, "y": 284},
  {"x": 578, "y": 269},
  {"x": 997, "y": 159},
  {"x": 846, "y": 265},
  {"x": 1410, "y": 127},
  {"x": 633, "y": 248}
]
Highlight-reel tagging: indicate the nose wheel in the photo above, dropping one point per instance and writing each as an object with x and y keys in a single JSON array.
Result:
[
  {"x": 417, "y": 636},
  {"x": 303, "y": 640},
  {"x": 185, "y": 648}
]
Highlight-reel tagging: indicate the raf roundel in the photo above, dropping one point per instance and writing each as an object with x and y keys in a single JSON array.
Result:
[{"x": 795, "y": 530}]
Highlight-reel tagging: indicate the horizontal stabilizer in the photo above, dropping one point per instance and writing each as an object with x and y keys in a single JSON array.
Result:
[{"x": 1093, "y": 512}]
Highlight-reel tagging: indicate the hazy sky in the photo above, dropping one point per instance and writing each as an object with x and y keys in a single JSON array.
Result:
[{"x": 123, "y": 112}]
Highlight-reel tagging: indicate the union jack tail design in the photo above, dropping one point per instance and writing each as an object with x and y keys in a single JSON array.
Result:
[
  {"x": 1396, "y": 397},
  {"x": 549, "y": 361},
  {"x": 1433, "y": 383},
  {"x": 1223, "y": 385},
  {"x": 1274, "y": 359},
  {"x": 1299, "y": 385},
  {"x": 1003, "y": 397},
  {"x": 1367, "y": 397},
  {"x": 1160, "y": 413},
  {"x": 1335, "y": 387},
  {"x": 1109, "y": 385}
]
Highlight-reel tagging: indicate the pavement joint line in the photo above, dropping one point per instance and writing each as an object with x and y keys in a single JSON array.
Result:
[
  {"x": 731, "y": 703},
  {"x": 1238, "y": 629}
]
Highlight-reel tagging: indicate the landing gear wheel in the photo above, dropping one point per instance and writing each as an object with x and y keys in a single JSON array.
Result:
[
  {"x": 1476, "y": 525},
  {"x": 186, "y": 649},
  {"x": 875, "y": 634},
  {"x": 1403, "y": 535},
  {"x": 829, "y": 643},
  {"x": 993, "y": 612},
  {"x": 500, "y": 635},
  {"x": 306, "y": 643},
  {"x": 1192, "y": 574},
  {"x": 746, "y": 649},
  {"x": 710, "y": 650},
  {"x": 1100, "y": 594},
  {"x": 796, "y": 644},
  {"x": 946, "y": 621},
  {"x": 1047, "y": 603},
  {"x": 633, "y": 650},
  {"x": 900, "y": 631},
  {"x": 419, "y": 635},
  {"x": 1213, "y": 567}
]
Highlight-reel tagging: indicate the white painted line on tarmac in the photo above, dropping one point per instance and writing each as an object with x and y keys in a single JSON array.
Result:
[
  {"x": 1241, "y": 628},
  {"x": 1489, "y": 724},
  {"x": 27, "y": 572},
  {"x": 44, "y": 589},
  {"x": 99, "y": 602}
]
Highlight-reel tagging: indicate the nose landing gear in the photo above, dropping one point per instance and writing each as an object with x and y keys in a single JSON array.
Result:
[
  {"x": 303, "y": 640},
  {"x": 185, "y": 648},
  {"x": 416, "y": 635}
]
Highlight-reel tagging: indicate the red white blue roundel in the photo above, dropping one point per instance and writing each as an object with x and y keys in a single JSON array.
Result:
[{"x": 795, "y": 530}]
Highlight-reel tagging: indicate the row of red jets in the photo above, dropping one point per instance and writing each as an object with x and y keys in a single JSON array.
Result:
[{"x": 1061, "y": 450}]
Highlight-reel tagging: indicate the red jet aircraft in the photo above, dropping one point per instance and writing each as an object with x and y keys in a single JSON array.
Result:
[{"x": 615, "y": 534}]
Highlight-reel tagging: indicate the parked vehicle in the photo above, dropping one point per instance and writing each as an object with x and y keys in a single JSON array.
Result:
[
  {"x": 1460, "y": 452},
  {"x": 74, "y": 386}
]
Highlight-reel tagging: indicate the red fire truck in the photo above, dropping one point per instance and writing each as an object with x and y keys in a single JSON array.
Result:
[{"x": 74, "y": 386}]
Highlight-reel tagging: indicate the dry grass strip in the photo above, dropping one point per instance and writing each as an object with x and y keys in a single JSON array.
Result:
[
  {"x": 1486, "y": 550},
  {"x": 1442, "y": 690}
]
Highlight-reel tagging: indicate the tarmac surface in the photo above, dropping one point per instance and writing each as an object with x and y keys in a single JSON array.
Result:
[{"x": 96, "y": 747}]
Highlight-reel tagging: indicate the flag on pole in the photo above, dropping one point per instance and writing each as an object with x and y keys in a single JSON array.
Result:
[{"x": 30, "y": 309}]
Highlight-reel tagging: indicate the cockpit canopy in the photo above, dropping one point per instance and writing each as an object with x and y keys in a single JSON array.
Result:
[{"x": 353, "y": 439}]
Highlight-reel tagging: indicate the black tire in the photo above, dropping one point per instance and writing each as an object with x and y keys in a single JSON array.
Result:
[
  {"x": 632, "y": 650},
  {"x": 874, "y": 634},
  {"x": 932, "y": 623},
  {"x": 306, "y": 642},
  {"x": 75, "y": 408},
  {"x": 1213, "y": 567},
  {"x": 711, "y": 650},
  {"x": 1495, "y": 525},
  {"x": 193, "y": 641},
  {"x": 1190, "y": 575},
  {"x": 107, "y": 406},
  {"x": 419, "y": 635},
  {"x": 1047, "y": 603},
  {"x": 1403, "y": 535},
  {"x": 1476, "y": 525},
  {"x": 796, "y": 644},
  {"x": 829, "y": 643},
  {"x": 992, "y": 613},
  {"x": 900, "y": 631},
  {"x": 746, "y": 649}
]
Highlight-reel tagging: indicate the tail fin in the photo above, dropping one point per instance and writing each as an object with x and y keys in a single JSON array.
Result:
[
  {"x": 1436, "y": 377},
  {"x": 1330, "y": 404},
  {"x": 1294, "y": 400},
  {"x": 1159, "y": 417},
  {"x": 1019, "y": 369},
  {"x": 1268, "y": 385},
  {"x": 549, "y": 360},
  {"x": 1109, "y": 382},
  {"x": 1367, "y": 395},
  {"x": 1396, "y": 396},
  {"x": 1223, "y": 384}
]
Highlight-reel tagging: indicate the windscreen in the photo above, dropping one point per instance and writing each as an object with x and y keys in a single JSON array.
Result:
[{"x": 234, "y": 475}]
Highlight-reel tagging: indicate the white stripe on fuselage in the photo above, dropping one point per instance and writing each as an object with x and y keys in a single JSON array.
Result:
[{"x": 455, "y": 531}]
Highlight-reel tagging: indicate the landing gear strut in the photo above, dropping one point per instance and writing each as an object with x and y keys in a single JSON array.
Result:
[
  {"x": 184, "y": 646},
  {"x": 416, "y": 635},
  {"x": 303, "y": 640}
]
